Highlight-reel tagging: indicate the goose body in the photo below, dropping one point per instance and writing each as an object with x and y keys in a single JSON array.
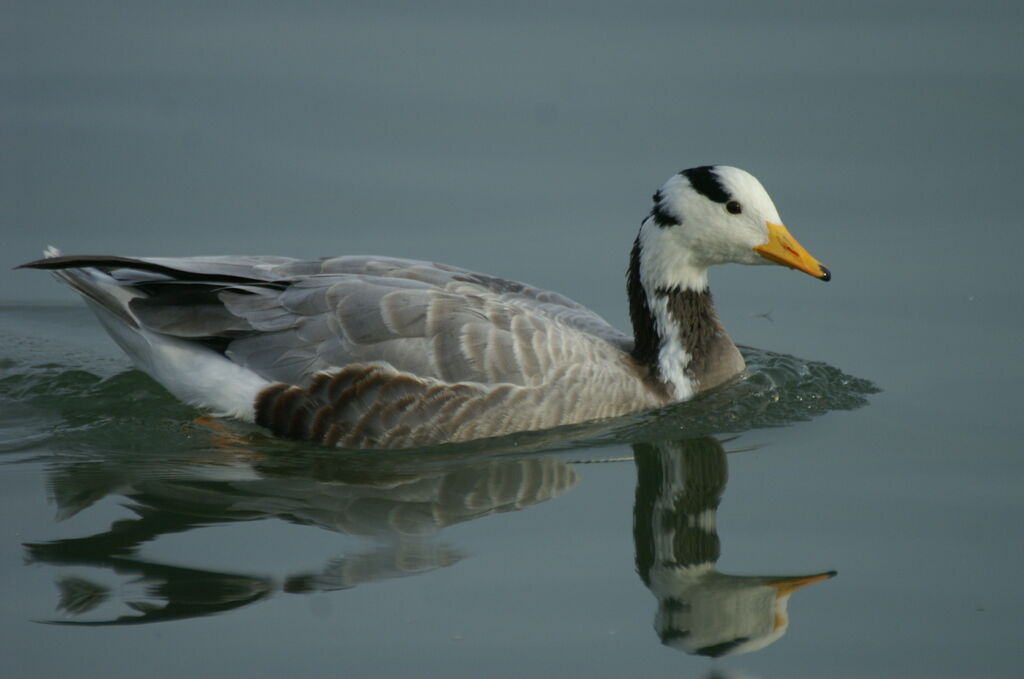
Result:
[{"x": 381, "y": 352}]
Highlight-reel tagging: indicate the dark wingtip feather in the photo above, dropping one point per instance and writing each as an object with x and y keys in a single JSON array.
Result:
[
  {"x": 112, "y": 262},
  {"x": 79, "y": 261},
  {"x": 35, "y": 264}
]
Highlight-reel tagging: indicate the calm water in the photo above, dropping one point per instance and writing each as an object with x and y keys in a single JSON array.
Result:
[{"x": 876, "y": 435}]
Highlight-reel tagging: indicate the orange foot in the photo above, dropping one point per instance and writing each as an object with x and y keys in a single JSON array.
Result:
[{"x": 222, "y": 439}]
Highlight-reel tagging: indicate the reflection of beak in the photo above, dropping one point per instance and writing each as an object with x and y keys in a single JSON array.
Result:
[
  {"x": 783, "y": 249},
  {"x": 786, "y": 586}
]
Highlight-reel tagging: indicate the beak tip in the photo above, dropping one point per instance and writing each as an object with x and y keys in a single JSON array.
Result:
[{"x": 826, "y": 275}]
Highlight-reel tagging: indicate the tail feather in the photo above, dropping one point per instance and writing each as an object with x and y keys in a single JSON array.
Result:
[
  {"x": 180, "y": 298},
  {"x": 178, "y": 351},
  {"x": 94, "y": 285}
]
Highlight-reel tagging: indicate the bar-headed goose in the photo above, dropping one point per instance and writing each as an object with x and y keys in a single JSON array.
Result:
[{"x": 377, "y": 352}]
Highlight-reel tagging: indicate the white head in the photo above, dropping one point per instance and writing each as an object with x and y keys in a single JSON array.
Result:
[
  {"x": 723, "y": 614},
  {"x": 712, "y": 215}
]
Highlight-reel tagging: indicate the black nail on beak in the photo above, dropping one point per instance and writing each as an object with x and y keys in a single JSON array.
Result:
[{"x": 826, "y": 275}]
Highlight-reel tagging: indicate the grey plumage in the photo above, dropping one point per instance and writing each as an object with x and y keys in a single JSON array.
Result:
[
  {"x": 432, "y": 354},
  {"x": 386, "y": 352},
  {"x": 389, "y": 353}
]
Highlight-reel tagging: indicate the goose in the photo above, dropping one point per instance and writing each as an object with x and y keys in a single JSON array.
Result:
[{"x": 382, "y": 352}]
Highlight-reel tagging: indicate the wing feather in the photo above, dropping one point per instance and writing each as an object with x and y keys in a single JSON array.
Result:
[{"x": 376, "y": 351}]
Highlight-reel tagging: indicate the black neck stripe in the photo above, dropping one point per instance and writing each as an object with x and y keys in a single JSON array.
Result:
[
  {"x": 647, "y": 342},
  {"x": 707, "y": 183}
]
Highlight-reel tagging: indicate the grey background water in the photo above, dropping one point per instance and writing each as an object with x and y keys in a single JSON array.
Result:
[{"x": 524, "y": 139}]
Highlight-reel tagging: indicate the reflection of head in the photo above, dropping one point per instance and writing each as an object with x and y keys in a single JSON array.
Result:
[
  {"x": 724, "y": 614},
  {"x": 700, "y": 611}
]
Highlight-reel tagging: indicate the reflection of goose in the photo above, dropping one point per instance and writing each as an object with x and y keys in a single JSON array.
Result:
[
  {"x": 401, "y": 502},
  {"x": 700, "y": 610},
  {"x": 382, "y": 352}
]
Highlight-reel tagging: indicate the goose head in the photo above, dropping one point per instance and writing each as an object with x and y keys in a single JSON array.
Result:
[{"x": 714, "y": 215}]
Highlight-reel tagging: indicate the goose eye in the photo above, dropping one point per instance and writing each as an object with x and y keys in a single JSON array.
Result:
[{"x": 734, "y": 207}]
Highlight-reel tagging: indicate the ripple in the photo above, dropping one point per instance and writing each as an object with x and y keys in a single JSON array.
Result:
[
  {"x": 129, "y": 410},
  {"x": 50, "y": 404}
]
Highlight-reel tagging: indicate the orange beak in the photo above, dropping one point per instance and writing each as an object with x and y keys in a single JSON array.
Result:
[
  {"x": 786, "y": 586},
  {"x": 783, "y": 249}
]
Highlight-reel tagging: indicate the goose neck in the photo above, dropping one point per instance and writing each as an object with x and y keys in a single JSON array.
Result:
[{"x": 673, "y": 317}]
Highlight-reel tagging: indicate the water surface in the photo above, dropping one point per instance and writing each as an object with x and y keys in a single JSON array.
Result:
[{"x": 875, "y": 436}]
